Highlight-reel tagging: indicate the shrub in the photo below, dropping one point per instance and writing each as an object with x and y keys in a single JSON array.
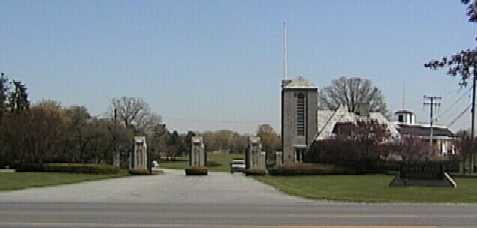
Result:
[
  {"x": 356, "y": 146},
  {"x": 139, "y": 172},
  {"x": 196, "y": 171},
  {"x": 255, "y": 172},
  {"x": 343, "y": 153},
  {"x": 388, "y": 165},
  {"x": 68, "y": 168},
  {"x": 29, "y": 167},
  {"x": 311, "y": 169},
  {"x": 452, "y": 166}
]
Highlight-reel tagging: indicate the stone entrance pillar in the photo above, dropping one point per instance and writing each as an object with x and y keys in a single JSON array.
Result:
[
  {"x": 255, "y": 157},
  {"x": 278, "y": 159},
  {"x": 138, "y": 157},
  {"x": 197, "y": 157}
]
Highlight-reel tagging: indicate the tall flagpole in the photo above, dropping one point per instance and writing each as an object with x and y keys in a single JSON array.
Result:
[{"x": 285, "y": 51}]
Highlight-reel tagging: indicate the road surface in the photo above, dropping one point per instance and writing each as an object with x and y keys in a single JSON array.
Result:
[{"x": 216, "y": 200}]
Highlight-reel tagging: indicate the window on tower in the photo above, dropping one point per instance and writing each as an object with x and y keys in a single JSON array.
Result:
[
  {"x": 400, "y": 118},
  {"x": 300, "y": 115}
]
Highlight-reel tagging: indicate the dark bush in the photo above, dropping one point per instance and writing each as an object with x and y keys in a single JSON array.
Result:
[
  {"x": 343, "y": 153},
  {"x": 29, "y": 167},
  {"x": 196, "y": 171},
  {"x": 255, "y": 172},
  {"x": 68, "y": 168},
  {"x": 312, "y": 169},
  {"x": 357, "y": 146},
  {"x": 387, "y": 166},
  {"x": 139, "y": 172},
  {"x": 422, "y": 170},
  {"x": 452, "y": 165}
]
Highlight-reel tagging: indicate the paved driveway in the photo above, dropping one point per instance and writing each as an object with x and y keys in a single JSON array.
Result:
[
  {"x": 213, "y": 201},
  {"x": 171, "y": 187}
]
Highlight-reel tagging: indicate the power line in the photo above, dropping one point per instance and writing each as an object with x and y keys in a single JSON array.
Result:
[
  {"x": 459, "y": 116},
  {"x": 441, "y": 114}
]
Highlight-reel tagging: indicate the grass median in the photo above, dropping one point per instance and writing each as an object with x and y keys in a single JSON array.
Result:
[
  {"x": 370, "y": 188},
  {"x": 22, "y": 180}
]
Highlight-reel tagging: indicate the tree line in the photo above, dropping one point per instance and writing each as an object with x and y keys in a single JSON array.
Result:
[
  {"x": 47, "y": 132},
  {"x": 226, "y": 141}
]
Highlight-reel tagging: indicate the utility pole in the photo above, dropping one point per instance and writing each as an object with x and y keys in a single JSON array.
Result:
[
  {"x": 474, "y": 79},
  {"x": 472, "y": 129},
  {"x": 432, "y": 101},
  {"x": 116, "y": 154}
]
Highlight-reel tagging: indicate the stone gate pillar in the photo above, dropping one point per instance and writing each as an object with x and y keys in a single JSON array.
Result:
[
  {"x": 278, "y": 159},
  {"x": 197, "y": 157},
  {"x": 255, "y": 156},
  {"x": 138, "y": 157}
]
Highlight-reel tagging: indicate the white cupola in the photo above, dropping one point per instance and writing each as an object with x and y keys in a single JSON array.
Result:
[{"x": 405, "y": 117}]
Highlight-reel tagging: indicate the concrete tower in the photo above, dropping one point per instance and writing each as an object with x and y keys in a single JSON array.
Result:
[{"x": 299, "y": 118}]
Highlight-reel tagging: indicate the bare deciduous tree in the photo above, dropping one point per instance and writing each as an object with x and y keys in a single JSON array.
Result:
[
  {"x": 270, "y": 139},
  {"x": 133, "y": 112},
  {"x": 149, "y": 123},
  {"x": 352, "y": 92}
]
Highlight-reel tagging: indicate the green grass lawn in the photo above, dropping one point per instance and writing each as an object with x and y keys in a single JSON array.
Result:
[
  {"x": 21, "y": 180},
  {"x": 369, "y": 188},
  {"x": 179, "y": 163},
  {"x": 219, "y": 162}
]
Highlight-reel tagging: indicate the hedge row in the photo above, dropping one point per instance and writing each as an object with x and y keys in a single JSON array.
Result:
[
  {"x": 255, "y": 172},
  {"x": 312, "y": 169},
  {"x": 139, "y": 172},
  {"x": 196, "y": 171},
  {"x": 68, "y": 168},
  {"x": 331, "y": 169}
]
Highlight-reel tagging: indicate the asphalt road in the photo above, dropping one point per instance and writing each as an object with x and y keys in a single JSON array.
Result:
[{"x": 217, "y": 200}]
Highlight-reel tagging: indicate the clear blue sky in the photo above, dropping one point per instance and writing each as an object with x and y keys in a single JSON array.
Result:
[{"x": 217, "y": 64}]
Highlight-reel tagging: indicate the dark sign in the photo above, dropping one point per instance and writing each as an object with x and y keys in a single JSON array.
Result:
[{"x": 422, "y": 170}]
